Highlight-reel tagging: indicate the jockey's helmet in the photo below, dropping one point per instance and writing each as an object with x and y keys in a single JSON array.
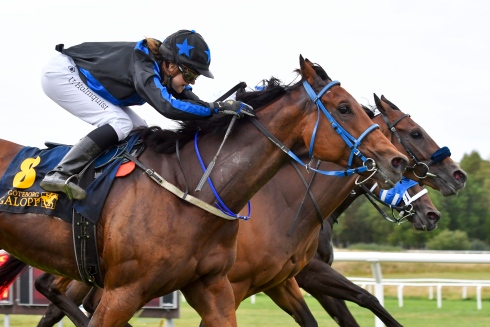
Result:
[{"x": 188, "y": 48}]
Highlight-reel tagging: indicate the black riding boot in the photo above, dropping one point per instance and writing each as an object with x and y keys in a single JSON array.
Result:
[{"x": 87, "y": 149}]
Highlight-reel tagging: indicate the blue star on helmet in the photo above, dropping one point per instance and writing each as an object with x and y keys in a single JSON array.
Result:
[
  {"x": 209, "y": 55},
  {"x": 184, "y": 48}
]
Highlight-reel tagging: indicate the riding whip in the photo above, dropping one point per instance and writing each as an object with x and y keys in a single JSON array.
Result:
[{"x": 211, "y": 165}]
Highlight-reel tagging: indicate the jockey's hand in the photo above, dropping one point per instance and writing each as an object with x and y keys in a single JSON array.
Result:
[{"x": 232, "y": 107}]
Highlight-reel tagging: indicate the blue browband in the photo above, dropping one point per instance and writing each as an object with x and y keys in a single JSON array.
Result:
[{"x": 350, "y": 140}]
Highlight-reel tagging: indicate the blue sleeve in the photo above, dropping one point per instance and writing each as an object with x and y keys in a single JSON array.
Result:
[{"x": 147, "y": 82}]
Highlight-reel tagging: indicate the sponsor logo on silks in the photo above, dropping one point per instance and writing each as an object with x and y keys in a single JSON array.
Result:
[{"x": 24, "y": 179}]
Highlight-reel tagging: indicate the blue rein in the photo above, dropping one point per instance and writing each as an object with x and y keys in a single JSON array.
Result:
[{"x": 219, "y": 203}]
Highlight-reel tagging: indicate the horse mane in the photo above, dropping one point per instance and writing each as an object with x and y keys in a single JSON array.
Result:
[
  {"x": 370, "y": 110},
  {"x": 270, "y": 90},
  {"x": 164, "y": 141},
  {"x": 321, "y": 72}
]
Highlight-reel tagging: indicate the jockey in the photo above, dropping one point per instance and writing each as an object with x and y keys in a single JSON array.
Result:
[{"x": 99, "y": 81}]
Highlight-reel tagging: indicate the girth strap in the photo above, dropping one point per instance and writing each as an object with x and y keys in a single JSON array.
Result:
[{"x": 86, "y": 253}]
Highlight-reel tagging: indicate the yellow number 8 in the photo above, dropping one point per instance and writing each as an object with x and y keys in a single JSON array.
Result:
[{"x": 26, "y": 177}]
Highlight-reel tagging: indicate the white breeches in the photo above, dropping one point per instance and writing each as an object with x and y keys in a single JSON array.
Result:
[{"x": 61, "y": 82}]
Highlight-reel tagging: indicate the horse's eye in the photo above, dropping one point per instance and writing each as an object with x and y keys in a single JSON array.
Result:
[
  {"x": 344, "y": 109},
  {"x": 416, "y": 135}
]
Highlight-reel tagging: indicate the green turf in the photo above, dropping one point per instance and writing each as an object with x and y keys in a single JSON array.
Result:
[{"x": 416, "y": 312}]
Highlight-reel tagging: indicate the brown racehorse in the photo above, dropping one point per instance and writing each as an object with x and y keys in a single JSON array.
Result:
[
  {"x": 151, "y": 242},
  {"x": 270, "y": 251}
]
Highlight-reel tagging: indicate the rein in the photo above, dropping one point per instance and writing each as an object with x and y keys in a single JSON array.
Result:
[
  {"x": 308, "y": 192},
  {"x": 420, "y": 169},
  {"x": 220, "y": 204}
]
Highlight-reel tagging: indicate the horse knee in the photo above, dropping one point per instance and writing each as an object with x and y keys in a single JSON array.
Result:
[
  {"x": 43, "y": 283},
  {"x": 367, "y": 300}
]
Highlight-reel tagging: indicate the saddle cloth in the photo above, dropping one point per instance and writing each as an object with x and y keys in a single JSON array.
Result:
[{"x": 20, "y": 191}]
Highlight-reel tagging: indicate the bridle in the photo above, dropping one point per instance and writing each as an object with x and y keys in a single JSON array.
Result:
[{"x": 420, "y": 169}]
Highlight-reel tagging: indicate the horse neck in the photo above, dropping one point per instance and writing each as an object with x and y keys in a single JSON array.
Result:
[
  {"x": 284, "y": 196},
  {"x": 382, "y": 126},
  {"x": 248, "y": 159}
]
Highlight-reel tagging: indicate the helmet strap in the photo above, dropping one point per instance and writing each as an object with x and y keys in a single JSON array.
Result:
[{"x": 168, "y": 75}]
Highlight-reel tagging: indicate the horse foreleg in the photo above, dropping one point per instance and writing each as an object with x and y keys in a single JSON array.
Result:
[
  {"x": 53, "y": 288},
  {"x": 91, "y": 301},
  {"x": 116, "y": 307},
  {"x": 213, "y": 300},
  {"x": 323, "y": 282},
  {"x": 288, "y": 297}
]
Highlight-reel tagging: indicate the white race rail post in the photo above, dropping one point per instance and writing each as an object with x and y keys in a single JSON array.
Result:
[{"x": 378, "y": 287}]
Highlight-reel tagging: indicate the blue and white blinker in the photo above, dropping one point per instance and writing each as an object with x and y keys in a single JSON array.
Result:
[{"x": 395, "y": 195}]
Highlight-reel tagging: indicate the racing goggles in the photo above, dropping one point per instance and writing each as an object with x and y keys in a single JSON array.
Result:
[{"x": 189, "y": 75}]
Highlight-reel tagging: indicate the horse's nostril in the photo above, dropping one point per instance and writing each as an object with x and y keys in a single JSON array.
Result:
[
  {"x": 434, "y": 216},
  {"x": 459, "y": 176},
  {"x": 399, "y": 163}
]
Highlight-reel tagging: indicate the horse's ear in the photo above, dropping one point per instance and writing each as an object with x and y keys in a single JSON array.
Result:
[
  {"x": 379, "y": 104},
  {"x": 391, "y": 104},
  {"x": 307, "y": 71},
  {"x": 301, "y": 61}
]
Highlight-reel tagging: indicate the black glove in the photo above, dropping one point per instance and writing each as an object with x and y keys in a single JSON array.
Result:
[{"x": 232, "y": 107}]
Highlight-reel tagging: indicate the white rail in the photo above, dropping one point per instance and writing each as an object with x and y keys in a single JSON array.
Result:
[{"x": 375, "y": 258}]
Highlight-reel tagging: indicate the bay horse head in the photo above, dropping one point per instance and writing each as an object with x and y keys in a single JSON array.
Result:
[
  {"x": 340, "y": 110},
  {"x": 429, "y": 164}
]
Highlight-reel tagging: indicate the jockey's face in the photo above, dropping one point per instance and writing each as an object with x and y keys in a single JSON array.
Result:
[{"x": 178, "y": 83}]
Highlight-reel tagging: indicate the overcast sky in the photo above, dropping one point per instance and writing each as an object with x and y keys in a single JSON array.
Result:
[{"x": 430, "y": 58}]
